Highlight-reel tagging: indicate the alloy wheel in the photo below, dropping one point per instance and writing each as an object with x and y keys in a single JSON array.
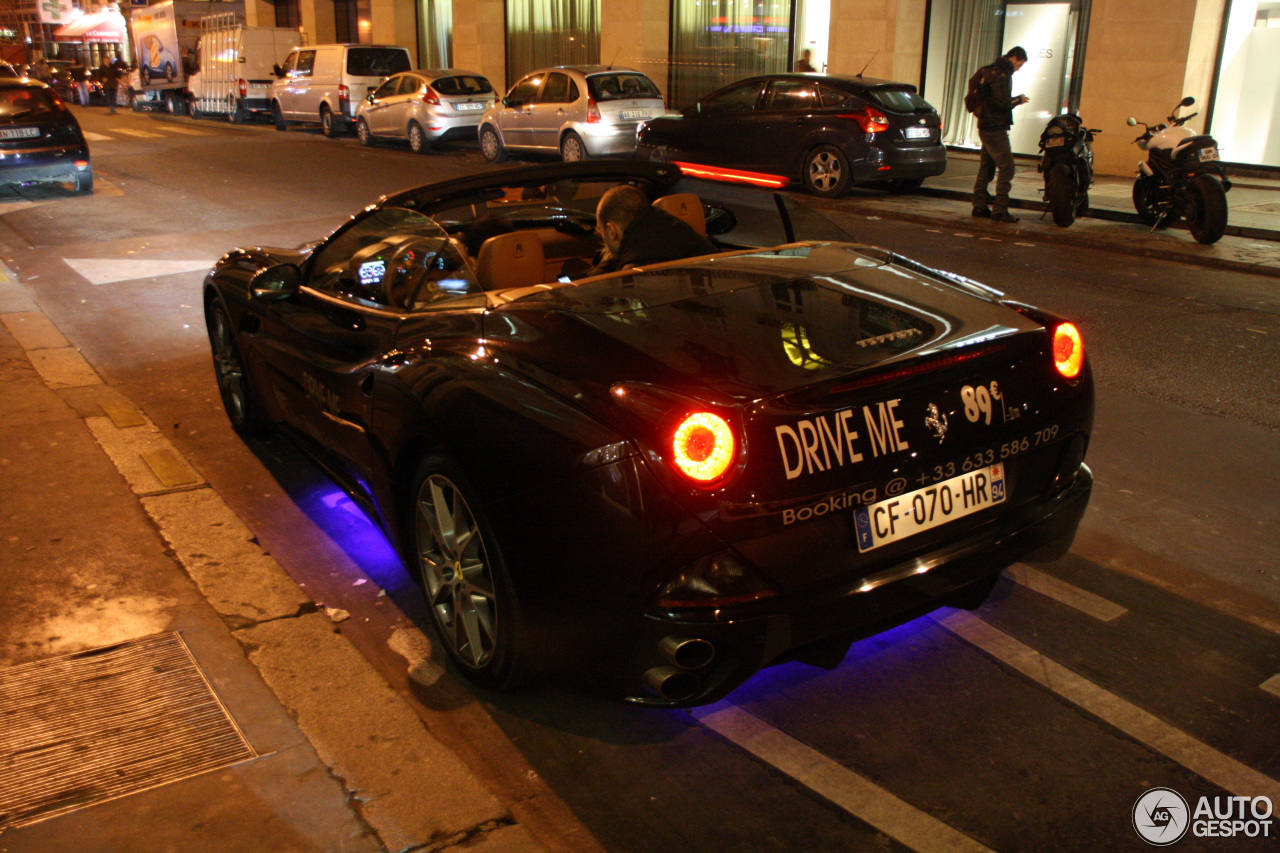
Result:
[
  {"x": 824, "y": 171},
  {"x": 456, "y": 572},
  {"x": 229, "y": 369}
]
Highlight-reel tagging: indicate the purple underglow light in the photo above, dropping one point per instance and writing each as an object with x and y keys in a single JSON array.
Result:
[{"x": 345, "y": 523}]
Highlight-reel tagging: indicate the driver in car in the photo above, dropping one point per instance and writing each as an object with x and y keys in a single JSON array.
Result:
[{"x": 637, "y": 233}]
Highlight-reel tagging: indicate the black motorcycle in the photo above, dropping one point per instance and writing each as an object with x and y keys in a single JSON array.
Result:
[
  {"x": 1066, "y": 159},
  {"x": 1182, "y": 176}
]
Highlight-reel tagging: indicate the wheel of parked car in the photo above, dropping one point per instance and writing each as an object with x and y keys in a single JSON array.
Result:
[
  {"x": 278, "y": 115},
  {"x": 571, "y": 148},
  {"x": 418, "y": 142},
  {"x": 826, "y": 171},
  {"x": 491, "y": 145},
  {"x": 327, "y": 126},
  {"x": 242, "y": 407},
  {"x": 193, "y": 106},
  {"x": 84, "y": 181},
  {"x": 461, "y": 568},
  {"x": 363, "y": 134}
]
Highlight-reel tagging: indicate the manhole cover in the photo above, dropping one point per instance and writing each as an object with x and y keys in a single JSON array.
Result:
[{"x": 91, "y": 726}]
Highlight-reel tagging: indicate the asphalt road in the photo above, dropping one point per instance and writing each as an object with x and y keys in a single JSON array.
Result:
[{"x": 1138, "y": 661}]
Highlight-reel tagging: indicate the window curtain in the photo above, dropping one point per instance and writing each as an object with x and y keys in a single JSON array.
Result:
[
  {"x": 715, "y": 42},
  {"x": 435, "y": 36},
  {"x": 972, "y": 42},
  {"x": 543, "y": 33}
]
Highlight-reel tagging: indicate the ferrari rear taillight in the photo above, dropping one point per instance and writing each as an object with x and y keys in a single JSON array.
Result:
[
  {"x": 429, "y": 96},
  {"x": 870, "y": 119},
  {"x": 593, "y": 111},
  {"x": 1068, "y": 350},
  {"x": 703, "y": 447}
]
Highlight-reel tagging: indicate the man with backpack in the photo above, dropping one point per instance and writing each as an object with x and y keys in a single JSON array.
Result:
[{"x": 991, "y": 100}]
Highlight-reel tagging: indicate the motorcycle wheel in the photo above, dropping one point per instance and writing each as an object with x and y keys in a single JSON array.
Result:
[
  {"x": 1146, "y": 196},
  {"x": 1059, "y": 191},
  {"x": 1206, "y": 209}
]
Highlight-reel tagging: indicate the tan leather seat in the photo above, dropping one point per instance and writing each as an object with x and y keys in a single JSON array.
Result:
[
  {"x": 511, "y": 260},
  {"x": 686, "y": 207}
]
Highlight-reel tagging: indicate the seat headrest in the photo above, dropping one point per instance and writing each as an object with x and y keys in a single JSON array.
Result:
[
  {"x": 686, "y": 207},
  {"x": 510, "y": 260}
]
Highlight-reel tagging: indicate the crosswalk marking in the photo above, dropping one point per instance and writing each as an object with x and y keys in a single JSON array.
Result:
[
  {"x": 109, "y": 270},
  {"x": 1064, "y": 593},
  {"x": 183, "y": 130},
  {"x": 849, "y": 790},
  {"x": 140, "y": 133},
  {"x": 1144, "y": 727},
  {"x": 96, "y": 137}
]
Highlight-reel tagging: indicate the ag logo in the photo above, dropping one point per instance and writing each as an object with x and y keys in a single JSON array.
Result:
[{"x": 1161, "y": 816}]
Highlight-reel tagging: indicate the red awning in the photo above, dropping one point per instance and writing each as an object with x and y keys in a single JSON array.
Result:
[{"x": 97, "y": 28}]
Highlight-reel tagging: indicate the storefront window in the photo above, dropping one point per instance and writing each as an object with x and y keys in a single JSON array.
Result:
[
  {"x": 715, "y": 42},
  {"x": 964, "y": 35},
  {"x": 435, "y": 34},
  {"x": 1246, "y": 102},
  {"x": 543, "y": 33}
]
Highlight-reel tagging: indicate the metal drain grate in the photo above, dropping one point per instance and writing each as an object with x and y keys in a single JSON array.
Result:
[{"x": 92, "y": 726}]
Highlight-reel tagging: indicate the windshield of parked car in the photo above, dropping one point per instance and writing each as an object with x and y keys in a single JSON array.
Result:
[
  {"x": 376, "y": 61},
  {"x": 618, "y": 85},
  {"x": 16, "y": 102},
  {"x": 461, "y": 85},
  {"x": 899, "y": 100}
]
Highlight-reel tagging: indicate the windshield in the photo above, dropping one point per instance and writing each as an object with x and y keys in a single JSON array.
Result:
[
  {"x": 461, "y": 85},
  {"x": 376, "y": 61},
  {"x": 616, "y": 86},
  {"x": 899, "y": 100},
  {"x": 16, "y": 102}
]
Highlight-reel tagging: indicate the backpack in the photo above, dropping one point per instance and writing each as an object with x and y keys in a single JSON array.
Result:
[{"x": 973, "y": 100}]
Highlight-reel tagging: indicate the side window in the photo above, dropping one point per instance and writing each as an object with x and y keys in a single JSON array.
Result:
[
  {"x": 557, "y": 89},
  {"x": 829, "y": 97},
  {"x": 290, "y": 64},
  {"x": 791, "y": 95},
  {"x": 738, "y": 99},
  {"x": 410, "y": 85},
  {"x": 386, "y": 90},
  {"x": 526, "y": 90},
  {"x": 574, "y": 94},
  {"x": 306, "y": 61}
]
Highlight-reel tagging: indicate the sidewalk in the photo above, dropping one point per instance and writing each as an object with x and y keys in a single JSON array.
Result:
[
  {"x": 1252, "y": 243},
  {"x": 164, "y": 684}
]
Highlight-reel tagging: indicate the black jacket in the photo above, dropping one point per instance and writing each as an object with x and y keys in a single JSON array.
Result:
[
  {"x": 653, "y": 237},
  {"x": 997, "y": 95}
]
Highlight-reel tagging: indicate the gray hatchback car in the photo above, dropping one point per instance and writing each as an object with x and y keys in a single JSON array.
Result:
[
  {"x": 579, "y": 111},
  {"x": 425, "y": 107}
]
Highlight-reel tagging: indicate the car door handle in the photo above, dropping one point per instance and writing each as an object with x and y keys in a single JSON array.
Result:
[{"x": 345, "y": 319}]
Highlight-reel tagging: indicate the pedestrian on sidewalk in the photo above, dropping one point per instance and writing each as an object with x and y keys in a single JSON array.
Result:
[
  {"x": 80, "y": 76},
  {"x": 109, "y": 73},
  {"x": 993, "y": 85}
]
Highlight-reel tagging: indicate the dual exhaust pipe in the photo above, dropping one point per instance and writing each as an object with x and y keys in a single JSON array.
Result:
[{"x": 677, "y": 682}]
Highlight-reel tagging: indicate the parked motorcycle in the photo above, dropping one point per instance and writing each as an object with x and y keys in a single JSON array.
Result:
[
  {"x": 1182, "y": 176},
  {"x": 1066, "y": 160}
]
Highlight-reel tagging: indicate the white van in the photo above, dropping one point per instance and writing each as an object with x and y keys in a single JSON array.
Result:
[
  {"x": 234, "y": 67},
  {"x": 323, "y": 84}
]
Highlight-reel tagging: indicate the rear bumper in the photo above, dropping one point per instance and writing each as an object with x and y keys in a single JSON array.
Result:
[
  {"x": 843, "y": 613},
  {"x": 603, "y": 140},
  {"x": 54, "y": 164},
  {"x": 893, "y": 163}
]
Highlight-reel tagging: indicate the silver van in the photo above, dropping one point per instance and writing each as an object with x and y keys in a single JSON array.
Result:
[
  {"x": 325, "y": 83},
  {"x": 578, "y": 111}
]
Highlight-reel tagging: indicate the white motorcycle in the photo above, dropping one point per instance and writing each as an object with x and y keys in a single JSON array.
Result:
[{"x": 1182, "y": 176}]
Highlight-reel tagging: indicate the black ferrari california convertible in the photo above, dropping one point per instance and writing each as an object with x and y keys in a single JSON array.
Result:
[{"x": 660, "y": 480}]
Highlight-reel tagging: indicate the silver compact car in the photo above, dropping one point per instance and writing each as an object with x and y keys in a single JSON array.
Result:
[
  {"x": 424, "y": 107},
  {"x": 578, "y": 111}
]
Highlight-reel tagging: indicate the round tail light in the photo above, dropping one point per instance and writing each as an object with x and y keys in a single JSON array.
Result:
[
  {"x": 1068, "y": 350},
  {"x": 703, "y": 446}
]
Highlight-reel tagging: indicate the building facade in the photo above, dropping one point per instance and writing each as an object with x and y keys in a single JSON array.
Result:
[{"x": 1105, "y": 59}]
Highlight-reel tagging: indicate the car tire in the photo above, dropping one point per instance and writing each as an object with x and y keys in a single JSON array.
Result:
[
  {"x": 235, "y": 115},
  {"x": 363, "y": 134},
  {"x": 278, "y": 116},
  {"x": 1206, "y": 209},
  {"x": 491, "y": 145},
  {"x": 84, "y": 181},
  {"x": 572, "y": 149},
  {"x": 328, "y": 126},
  {"x": 826, "y": 172},
  {"x": 457, "y": 559},
  {"x": 1146, "y": 193},
  {"x": 193, "y": 107},
  {"x": 1059, "y": 192},
  {"x": 234, "y": 385},
  {"x": 418, "y": 141}
]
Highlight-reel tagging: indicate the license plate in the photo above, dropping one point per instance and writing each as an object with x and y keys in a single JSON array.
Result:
[
  {"x": 468, "y": 106},
  {"x": 918, "y": 133},
  {"x": 19, "y": 133},
  {"x": 628, "y": 115},
  {"x": 915, "y": 512},
  {"x": 1208, "y": 154},
  {"x": 1055, "y": 142}
]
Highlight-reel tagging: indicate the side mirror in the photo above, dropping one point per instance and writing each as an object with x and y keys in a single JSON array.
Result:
[
  {"x": 720, "y": 221},
  {"x": 1133, "y": 122},
  {"x": 277, "y": 70},
  {"x": 369, "y": 97},
  {"x": 1187, "y": 101},
  {"x": 276, "y": 283}
]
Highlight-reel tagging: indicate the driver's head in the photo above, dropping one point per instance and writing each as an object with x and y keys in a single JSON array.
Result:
[{"x": 617, "y": 209}]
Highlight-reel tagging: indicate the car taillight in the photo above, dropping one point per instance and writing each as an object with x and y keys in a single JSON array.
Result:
[
  {"x": 870, "y": 119},
  {"x": 1068, "y": 350},
  {"x": 703, "y": 446},
  {"x": 244, "y": 88},
  {"x": 430, "y": 97},
  {"x": 344, "y": 92},
  {"x": 593, "y": 112}
]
